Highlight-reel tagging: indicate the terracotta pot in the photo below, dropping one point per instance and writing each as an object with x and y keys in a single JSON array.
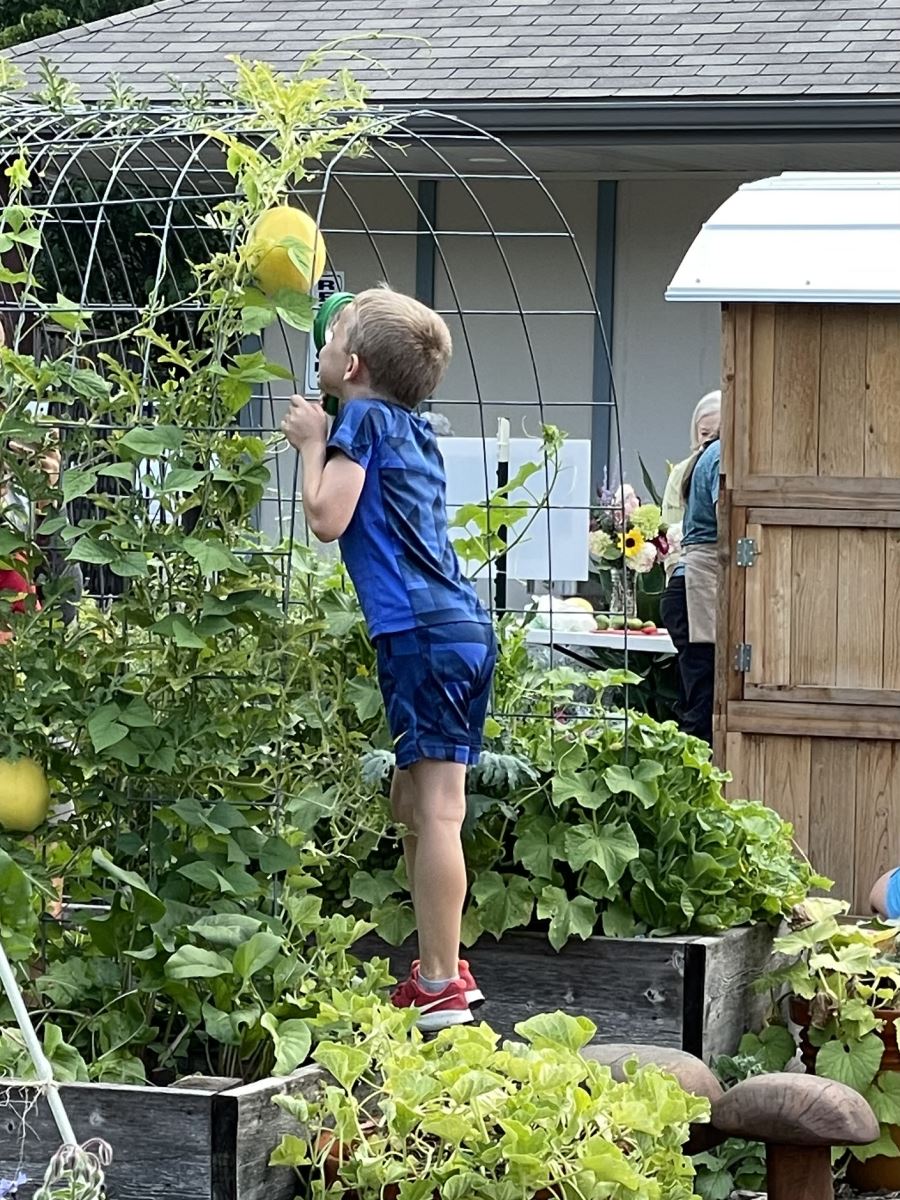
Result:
[{"x": 879, "y": 1173}]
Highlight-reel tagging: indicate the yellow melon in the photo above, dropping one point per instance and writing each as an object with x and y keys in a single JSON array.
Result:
[
  {"x": 268, "y": 250},
  {"x": 24, "y": 795},
  {"x": 580, "y": 602}
]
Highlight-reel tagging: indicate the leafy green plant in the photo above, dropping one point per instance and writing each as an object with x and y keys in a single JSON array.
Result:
[
  {"x": 609, "y": 825},
  {"x": 191, "y": 975},
  {"x": 206, "y": 724},
  {"x": 468, "y": 1116},
  {"x": 843, "y": 981}
]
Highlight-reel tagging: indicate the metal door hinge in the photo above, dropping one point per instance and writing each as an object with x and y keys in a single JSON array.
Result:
[
  {"x": 747, "y": 552},
  {"x": 743, "y": 656}
]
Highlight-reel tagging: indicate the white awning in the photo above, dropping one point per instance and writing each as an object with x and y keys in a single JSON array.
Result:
[{"x": 814, "y": 237}]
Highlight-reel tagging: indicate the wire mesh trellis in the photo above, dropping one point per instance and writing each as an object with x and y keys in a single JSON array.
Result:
[
  {"x": 126, "y": 202},
  {"x": 218, "y": 663}
]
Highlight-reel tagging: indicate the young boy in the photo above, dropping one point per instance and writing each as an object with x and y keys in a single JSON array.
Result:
[{"x": 377, "y": 484}]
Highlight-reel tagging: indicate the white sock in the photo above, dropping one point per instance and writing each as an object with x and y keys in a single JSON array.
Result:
[{"x": 436, "y": 986}]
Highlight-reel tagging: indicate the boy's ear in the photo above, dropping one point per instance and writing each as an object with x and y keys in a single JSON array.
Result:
[{"x": 353, "y": 369}]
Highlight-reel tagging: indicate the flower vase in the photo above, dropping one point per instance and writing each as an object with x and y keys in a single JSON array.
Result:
[{"x": 623, "y": 591}]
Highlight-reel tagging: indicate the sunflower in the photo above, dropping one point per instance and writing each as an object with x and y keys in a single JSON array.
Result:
[{"x": 631, "y": 542}]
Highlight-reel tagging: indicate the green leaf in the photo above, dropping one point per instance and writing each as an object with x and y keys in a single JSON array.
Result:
[
  {"x": 146, "y": 903},
  {"x": 205, "y": 876},
  {"x": 11, "y": 541},
  {"x": 211, "y": 556},
  {"x": 182, "y": 479},
  {"x": 154, "y": 441},
  {"x": 568, "y": 918},
  {"x": 132, "y": 564},
  {"x": 184, "y": 636},
  {"x": 365, "y": 696},
  {"x": 104, "y": 727},
  {"x": 193, "y": 962},
  {"x": 292, "y": 1040},
  {"x": 620, "y": 779},
  {"x": 347, "y": 1064},
  {"x": 394, "y": 921},
  {"x": 502, "y": 903},
  {"x": 119, "y": 470},
  {"x": 228, "y": 930},
  {"x": 535, "y": 847},
  {"x": 618, "y": 921},
  {"x": 557, "y": 1029},
  {"x": 374, "y": 889},
  {"x": 277, "y": 855},
  {"x": 856, "y": 1064},
  {"x": 295, "y": 309},
  {"x": 255, "y": 954},
  {"x": 77, "y": 483},
  {"x": 255, "y": 318},
  {"x": 68, "y": 314},
  {"x": 89, "y": 551},
  {"x": 884, "y": 1147},
  {"x": 884, "y": 1097},
  {"x": 291, "y": 1151},
  {"x": 612, "y": 848}
]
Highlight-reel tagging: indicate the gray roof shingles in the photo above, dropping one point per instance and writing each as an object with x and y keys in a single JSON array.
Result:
[{"x": 477, "y": 50}]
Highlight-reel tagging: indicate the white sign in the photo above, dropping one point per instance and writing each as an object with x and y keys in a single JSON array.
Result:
[
  {"x": 331, "y": 282},
  {"x": 555, "y": 546}
]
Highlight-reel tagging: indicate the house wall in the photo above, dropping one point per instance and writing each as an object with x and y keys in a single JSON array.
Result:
[
  {"x": 665, "y": 356},
  {"x": 531, "y": 368}
]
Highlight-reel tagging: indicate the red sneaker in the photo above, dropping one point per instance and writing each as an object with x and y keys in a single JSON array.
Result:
[
  {"x": 474, "y": 994},
  {"x": 436, "y": 1010}
]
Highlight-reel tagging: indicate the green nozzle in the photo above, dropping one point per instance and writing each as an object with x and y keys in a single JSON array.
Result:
[{"x": 327, "y": 311}]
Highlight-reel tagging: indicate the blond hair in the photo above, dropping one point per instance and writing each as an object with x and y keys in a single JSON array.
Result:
[
  {"x": 405, "y": 345},
  {"x": 706, "y": 405}
]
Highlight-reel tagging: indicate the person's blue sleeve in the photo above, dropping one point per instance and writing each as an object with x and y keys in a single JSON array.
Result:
[
  {"x": 715, "y": 472},
  {"x": 356, "y": 432}
]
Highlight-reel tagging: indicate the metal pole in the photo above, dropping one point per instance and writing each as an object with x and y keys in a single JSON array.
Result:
[{"x": 35, "y": 1050}]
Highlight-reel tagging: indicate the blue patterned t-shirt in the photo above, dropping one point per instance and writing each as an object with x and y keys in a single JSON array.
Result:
[{"x": 396, "y": 547}]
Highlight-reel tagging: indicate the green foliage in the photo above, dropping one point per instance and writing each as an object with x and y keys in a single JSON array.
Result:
[
  {"x": 207, "y": 723},
  {"x": 604, "y": 825},
  {"x": 465, "y": 1115},
  {"x": 24, "y": 20},
  {"x": 844, "y": 978}
]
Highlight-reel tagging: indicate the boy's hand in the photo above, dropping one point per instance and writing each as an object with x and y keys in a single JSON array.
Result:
[{"x": 304, "y": 422}]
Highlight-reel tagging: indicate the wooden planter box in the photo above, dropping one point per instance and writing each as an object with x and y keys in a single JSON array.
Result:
[
  {"x": 688, "y": 993},
  {"x": 201, "y": 1140}
]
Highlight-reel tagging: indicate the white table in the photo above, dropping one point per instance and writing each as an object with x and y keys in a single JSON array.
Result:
[{"x": 607, "y": 639}]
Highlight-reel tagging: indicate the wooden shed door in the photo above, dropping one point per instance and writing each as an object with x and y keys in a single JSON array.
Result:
[{"x": 808, "y": 698}]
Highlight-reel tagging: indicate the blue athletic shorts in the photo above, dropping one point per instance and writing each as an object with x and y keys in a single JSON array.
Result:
[
  {"x": 436, "y": 684},
  {"x": 892, "y": 899}
]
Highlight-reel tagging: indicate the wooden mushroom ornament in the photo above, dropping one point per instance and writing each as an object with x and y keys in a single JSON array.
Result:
[{"x": 799, "y": 1118}]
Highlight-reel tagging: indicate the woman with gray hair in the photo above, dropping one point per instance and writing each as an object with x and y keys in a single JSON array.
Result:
[{"x": 688, "y": 605}]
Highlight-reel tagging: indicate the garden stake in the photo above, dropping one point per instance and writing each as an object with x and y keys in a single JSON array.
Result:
[{"x": 35, "y": 1050}]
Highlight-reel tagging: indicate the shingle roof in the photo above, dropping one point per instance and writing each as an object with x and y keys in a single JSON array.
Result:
[{"x": 537, "y": 49}]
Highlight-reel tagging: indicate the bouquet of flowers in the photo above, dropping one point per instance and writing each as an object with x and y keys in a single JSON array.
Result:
[{"x": 627, "y": 533}]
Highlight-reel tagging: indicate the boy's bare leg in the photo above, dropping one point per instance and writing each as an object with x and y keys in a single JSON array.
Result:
[
  {"x": 440, "y": 868},
  {"x": 403, "y": 810}
]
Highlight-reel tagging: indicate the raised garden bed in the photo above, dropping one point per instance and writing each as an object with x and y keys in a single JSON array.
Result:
[
  {"x": 688, "y": 993},
  {"x": 204, "y": 1139}
]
